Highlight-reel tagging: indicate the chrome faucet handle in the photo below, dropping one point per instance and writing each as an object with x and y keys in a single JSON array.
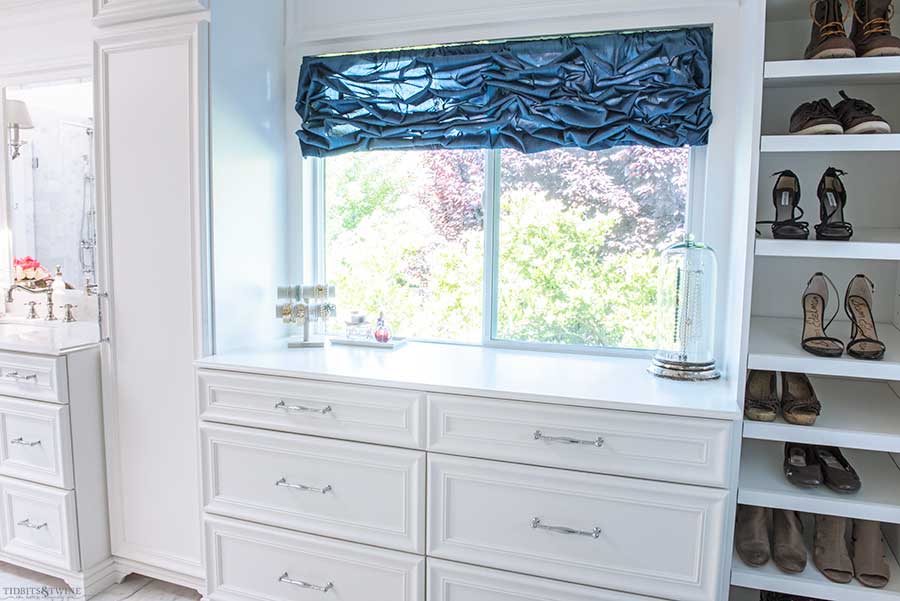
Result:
[
  {"x": 69, "y": 316},
  {"x": 32, "y": 312}
]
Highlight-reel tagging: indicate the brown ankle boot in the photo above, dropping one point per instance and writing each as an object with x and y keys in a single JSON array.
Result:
[
  {"x": 871, "y": 31},
  {"x": 830, "y": 552},
  {"x": 828, "y": 38},
  {"x": 751, "y": 535},
  {"x": 788, "y": 548},
  {"x": 869, "y": 561}
]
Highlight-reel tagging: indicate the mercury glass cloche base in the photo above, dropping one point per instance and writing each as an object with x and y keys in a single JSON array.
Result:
[{"x": 685, "y": 313}]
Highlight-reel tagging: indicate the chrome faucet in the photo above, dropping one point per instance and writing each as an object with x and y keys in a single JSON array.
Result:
[{"x": 47, "y": 291}]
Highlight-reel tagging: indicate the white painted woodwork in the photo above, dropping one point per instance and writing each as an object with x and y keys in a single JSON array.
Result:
[
  {"x": 33, "y": 377},
  {"x": 151, "y": 139},
  {"x": 839, "y": 143},
  {"x": 656, "y": 539},
  {"x": 673, "y": 449},
  {"x": 763, "y": 484},
  {"x": 878, "y": 244},
  {"x": 775, "y": 345},
  {"x": 450, "y": 581},
  {"x": 111, "y": 12},
  {"x": 370, "y": 414},
  {"x": 247, "y": 561},
  {"x": 35, "y": 442},
  {"x": 833, "y": 72},
  {"x": 361, "y": 492},
  {"x": 39, "y": 523},
  {"x": 857, "y": 414}
]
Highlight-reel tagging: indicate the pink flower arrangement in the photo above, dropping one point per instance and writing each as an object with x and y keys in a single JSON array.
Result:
[{"x": 30, "y": 269}]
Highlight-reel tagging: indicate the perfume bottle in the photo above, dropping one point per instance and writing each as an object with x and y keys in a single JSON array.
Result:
[{"x": 382, "y": 333}]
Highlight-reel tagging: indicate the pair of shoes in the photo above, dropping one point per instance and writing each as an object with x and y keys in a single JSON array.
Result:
[
  {"x": 863, "y": 558},
  {"x": 751, "y": 538},
  {"x": 858, "y": 302},
  {"x": 811, "y": 465},
  {"x": 849, "y": 116},
  {"x": 798, "y": 403},
  {"x": 870, "y": 35},
  {"x": 832, "y": 196}
]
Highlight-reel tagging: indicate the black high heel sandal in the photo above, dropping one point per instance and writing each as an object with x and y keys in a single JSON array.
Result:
[
  {"x": 832, "y": 200},
  {"x": 786, "y": 198},
  {"x": 864, "y": 342},
  {"x": 814, "y": 340}
]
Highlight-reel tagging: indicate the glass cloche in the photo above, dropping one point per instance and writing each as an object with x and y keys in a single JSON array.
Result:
[{"x": 686, "y": 313}]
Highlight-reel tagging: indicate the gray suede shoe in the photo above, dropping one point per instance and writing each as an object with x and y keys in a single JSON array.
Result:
[
  {"x": 788, "y": 549},
  {"x": 751, "y": 535},
  {"x": 830, "y": 552}
]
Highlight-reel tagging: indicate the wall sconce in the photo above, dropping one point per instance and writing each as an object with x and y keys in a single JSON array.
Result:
[{"x": 17, "y": 119}]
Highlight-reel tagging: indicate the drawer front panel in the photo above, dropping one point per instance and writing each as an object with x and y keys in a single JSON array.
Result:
[
  {"x": 365, "y": 413},
  {"x": 353, "y": 491},
  {"x": 39, "y": 523},
  {"x": 668, "y": 448},
  {"x": 649, "y": 538},
  {"x": 448, "y": 581},
  {"x": 250, "y": 562},
  {"x": 35, "y": 442},
  {"x": 33, "y": 377}
]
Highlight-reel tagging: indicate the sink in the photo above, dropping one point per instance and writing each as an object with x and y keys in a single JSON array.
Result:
[{"x": 49, "y": 337}]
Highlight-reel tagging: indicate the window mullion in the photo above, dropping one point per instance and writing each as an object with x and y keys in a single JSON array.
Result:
[{"x": 491, "y": 211}]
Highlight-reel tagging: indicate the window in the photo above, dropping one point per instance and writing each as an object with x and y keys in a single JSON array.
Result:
[{"x": 558, "y": 248}]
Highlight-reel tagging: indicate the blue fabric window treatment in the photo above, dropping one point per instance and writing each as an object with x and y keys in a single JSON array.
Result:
[{"x": 648, "y": 88}]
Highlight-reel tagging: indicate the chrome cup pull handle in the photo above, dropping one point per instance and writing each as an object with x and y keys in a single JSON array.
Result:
[
  {"x": 17, "y": 377},
  {"x": 301, "y": 409},
  {"x": 25, "y": 443},
  {"x": 27, "y": 524},
  {"x": 315, "y": 587},
  {"x": 283, "y": 482},
  {"x": 538, "y": 435},
  {"x": 536, "y": 523}
]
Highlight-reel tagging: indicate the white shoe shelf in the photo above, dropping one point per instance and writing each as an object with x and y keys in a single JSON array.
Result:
[
  {"x": 876, "y": 244},
  {"x": 831, "y": 143},
  {"x": 835, "y": 72}
]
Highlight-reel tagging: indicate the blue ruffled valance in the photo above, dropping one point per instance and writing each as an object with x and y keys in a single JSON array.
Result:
[{"x": 647, "y": 88}]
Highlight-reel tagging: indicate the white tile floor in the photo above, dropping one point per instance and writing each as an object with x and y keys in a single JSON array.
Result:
[{"x": 133, "y": 588}]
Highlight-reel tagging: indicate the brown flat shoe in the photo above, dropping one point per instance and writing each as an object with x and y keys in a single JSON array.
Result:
[
  {"x": 869, "y": 560},
  {"x": 788, "y": 549},
  {"x": 761, "y": 397},
  {"x": 799, "y": 405},
  {"x": 801, "y": 466},
  {"x": 830, "y": 553},
  {"x": 751, "y": 535}
]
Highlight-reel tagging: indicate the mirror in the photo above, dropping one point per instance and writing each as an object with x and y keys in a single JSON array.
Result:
[{"x": 52, "y": 209}]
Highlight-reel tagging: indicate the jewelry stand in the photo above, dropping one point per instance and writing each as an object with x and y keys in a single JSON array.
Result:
[{"x": 305, "y": 304}]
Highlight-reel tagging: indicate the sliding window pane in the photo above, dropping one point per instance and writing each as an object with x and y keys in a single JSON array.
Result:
[
  {"x": 580, "y": 234},
  {"x": 404, "y": 235}
]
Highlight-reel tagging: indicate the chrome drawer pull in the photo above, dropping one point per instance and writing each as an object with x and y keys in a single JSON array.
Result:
[
  {"x": 536, "y": 523},
  {"x": 283, "y": 482},
  {"x": 301, "y": 409},
  {"x": 25, "y": 443},
  {"x": 538, "y": 435},
  {"x": 285, "y": 579},
  {"x": 27, "y": 523},
  {"x": 16, "y": 377}
]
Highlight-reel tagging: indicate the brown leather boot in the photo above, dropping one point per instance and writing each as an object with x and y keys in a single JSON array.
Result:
[
  {"x": 828, "y": 38},
  {"x": 869, "y": 560},
  {"x": 830, "y": 552},
  {"x": 751, "y": 535},
  {"x": 871, "y": 31},
  {"x": 788, "y": 548}
]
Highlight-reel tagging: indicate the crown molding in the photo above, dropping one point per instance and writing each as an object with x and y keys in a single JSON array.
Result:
[
  {"x": 113, "y": 12},
  {"x": 16, "y": 13}
]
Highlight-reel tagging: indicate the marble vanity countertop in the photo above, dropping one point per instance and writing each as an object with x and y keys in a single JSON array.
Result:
[
  {"x": 46, "y": 338},
  {"x": 562, "y": 378}
]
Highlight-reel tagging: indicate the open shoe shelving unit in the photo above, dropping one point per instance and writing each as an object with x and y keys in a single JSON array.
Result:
[{"x": 860, "y": 399}]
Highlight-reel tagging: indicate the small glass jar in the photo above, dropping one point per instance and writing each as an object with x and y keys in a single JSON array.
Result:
[{"x": 686, "y": 313}]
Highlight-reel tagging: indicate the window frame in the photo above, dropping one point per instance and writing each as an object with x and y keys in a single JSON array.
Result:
[{"x": 313, "y": 247}]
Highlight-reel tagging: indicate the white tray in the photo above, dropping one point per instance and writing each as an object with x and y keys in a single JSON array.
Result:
[{"x": 394, "y": 343}]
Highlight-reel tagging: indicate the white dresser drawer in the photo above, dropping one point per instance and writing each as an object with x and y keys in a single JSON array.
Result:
[
  {"x": 449, "y": 581},
  {"x": 673, "y": 449},
  {"x": 650, "y": 538},
  {"x": 348, "y": 490},
  {"x": 367, "y": 413},
  {"x": 33, "y": 377},
  {"x": 35, "y": 442},
  {"x": 249, "y": 562},
  {"x": 39, "y": 523}
]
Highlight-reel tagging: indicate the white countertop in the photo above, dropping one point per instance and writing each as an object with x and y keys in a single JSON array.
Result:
[
  {"x": 46, "y": 338},
  {"x": 563, "y": 378}
]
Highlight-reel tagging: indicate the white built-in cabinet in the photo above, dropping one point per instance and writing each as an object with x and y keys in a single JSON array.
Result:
[{"x": 150, "y": 89}]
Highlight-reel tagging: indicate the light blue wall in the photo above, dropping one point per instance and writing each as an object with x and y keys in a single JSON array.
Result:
[{"x": 248, "y": 162}]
